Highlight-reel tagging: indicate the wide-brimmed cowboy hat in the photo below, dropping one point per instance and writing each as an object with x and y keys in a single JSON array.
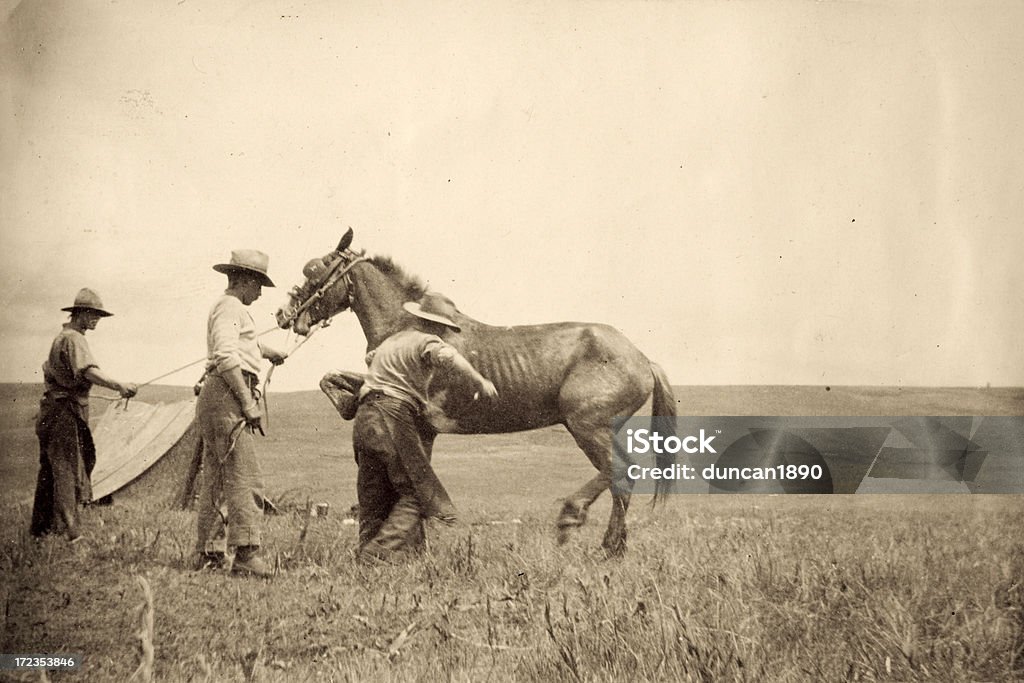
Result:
[
  {"x": 88, "y": 300},
  {"x": 435, "y": 307},
  {"x": 248, "y": 260}
]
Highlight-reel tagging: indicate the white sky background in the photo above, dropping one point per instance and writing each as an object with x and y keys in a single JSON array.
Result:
[{"x": 754, "y": 192}]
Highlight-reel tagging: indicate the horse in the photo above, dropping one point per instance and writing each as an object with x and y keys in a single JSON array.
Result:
[{"x": 580, "y": 375}]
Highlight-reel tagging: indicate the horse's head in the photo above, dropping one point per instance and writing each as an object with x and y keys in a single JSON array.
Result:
[{"x": 325, "y": 291}]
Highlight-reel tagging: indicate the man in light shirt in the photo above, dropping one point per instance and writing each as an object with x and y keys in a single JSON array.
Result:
[{"x": 228, "y": 413}]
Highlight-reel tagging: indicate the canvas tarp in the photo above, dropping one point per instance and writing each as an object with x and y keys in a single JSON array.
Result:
[
  {"x": 147, "y": 451},
  {"x": 151, "y": 453}
]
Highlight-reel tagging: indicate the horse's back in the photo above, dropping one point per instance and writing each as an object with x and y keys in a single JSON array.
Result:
[{"x": 541, "y": 372}]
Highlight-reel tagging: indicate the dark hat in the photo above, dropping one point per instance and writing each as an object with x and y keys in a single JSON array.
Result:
[
  {"x": 88, "y": 300},
  {"x": 435, "y": 307},
  {"x": 248, "y": 260}
]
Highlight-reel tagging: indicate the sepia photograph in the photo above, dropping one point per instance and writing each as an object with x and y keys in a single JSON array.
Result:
[{"x": 411, "y": 341}]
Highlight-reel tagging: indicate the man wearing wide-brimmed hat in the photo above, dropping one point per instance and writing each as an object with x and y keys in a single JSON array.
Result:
[
  {"x": 66, "y": 451},
  {"x": 396, "y": 485},
  {"x": 228, "y": 413}
]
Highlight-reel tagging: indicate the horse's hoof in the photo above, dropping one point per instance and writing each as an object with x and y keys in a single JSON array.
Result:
[
  {"x": 615, "y": 553},
  {"x": 571, "y": 515},
  {"x": 614, "y": 548},
  {"x": 564, "y": 528}
]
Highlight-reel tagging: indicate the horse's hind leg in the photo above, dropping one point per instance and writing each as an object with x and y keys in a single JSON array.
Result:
[
  {"x": 596, "y": 442},
  {"x": 574, "y": 509},
  {"x": 610, "y": 378}
]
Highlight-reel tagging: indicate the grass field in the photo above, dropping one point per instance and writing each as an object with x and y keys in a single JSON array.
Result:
[{"x": 712, "y": 588}]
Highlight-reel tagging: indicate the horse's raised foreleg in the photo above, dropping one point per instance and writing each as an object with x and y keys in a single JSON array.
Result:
[{"x": 342, "y": 388}]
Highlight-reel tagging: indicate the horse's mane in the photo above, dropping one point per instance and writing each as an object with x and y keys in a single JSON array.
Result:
[{"x": 413, "y": 286}]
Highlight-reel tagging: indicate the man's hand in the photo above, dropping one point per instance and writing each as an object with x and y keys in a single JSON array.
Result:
[
  {"x": 487, "y": 390},
  {"x": 253, "y": 419},
  {"x": 274, "y": 356},
  {"x": 97, "y": 376}
]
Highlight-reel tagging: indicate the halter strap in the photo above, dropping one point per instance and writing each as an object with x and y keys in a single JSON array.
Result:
[{"x": 333, "y": 275}]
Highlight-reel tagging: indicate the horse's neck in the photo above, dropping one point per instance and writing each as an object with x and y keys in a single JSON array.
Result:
[{"x": 377, "y": 303}]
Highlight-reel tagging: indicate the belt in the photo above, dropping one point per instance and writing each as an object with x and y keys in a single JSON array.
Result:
[
  {"x": 252, "y": 382},
  {"x": 80, "y": 400},
  {"x": 377, "y": 395},
  {"x": 372, "y": 395}
]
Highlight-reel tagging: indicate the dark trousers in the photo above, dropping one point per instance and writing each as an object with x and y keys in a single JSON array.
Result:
[
  {"x": 66, "y": 460},
  {"x": 396, "y": 487}
]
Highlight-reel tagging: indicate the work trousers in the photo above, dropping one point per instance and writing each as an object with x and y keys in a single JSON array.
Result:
[
  {"x": 227, "y": 511},
  {"x": 66, "y": 460},
  {"x": 396, "y": 486}
]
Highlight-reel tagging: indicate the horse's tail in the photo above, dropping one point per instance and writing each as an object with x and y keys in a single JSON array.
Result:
[
  {"x": 663, "y": 403},
  {"x": 663, "y": 410}
]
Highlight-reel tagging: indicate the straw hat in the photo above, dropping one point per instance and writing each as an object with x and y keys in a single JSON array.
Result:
[
  {"x": 248, "y": 260},
  {"x": 87, "y": 300},
  {"x": 435, "y": 307}
]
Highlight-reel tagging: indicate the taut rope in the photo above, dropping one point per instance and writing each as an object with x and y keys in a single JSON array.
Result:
[{"x": 266, "y": 381}]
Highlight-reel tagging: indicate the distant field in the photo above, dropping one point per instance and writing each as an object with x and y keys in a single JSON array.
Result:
[
  {"x": 304, "y": 425},
  {"x": 712, "y": 588}
]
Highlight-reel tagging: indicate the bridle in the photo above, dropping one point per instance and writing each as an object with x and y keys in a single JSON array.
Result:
[{"x": 339, "y": 270}]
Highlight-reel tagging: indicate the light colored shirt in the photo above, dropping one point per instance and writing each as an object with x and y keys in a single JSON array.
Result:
[
  {"x": 401, "y": 367},
  {"x": 64, "y": 369},
  {"x": 231, "y": 337}
]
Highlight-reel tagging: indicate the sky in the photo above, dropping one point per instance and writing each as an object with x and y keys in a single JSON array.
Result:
[{"x": 754, "y": 193}]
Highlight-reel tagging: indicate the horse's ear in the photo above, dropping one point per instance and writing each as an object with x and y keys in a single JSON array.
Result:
[{"x": 346, "y": 240}]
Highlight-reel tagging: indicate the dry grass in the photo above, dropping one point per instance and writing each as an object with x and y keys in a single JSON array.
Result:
[
  {"x": 712, "y": 588},
  {"x": 732, "y": 588}
]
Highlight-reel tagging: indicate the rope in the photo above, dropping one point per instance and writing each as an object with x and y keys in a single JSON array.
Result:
[
  {"x": 270, "y": 373},
  {"x": 197, "y": 362},
  {"x": 266, "y": 382},
  {"x": 332, "y": 276},
  {"x": 236, "y": 432},
  {"x": 172, "y": 372},
  {"x": 105, "y": 398}
]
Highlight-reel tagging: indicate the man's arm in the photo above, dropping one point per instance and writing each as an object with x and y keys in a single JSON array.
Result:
[
  {"x": 487, "y": 388},
  {"x": 223, "y": 331},
  {"x": 447, "y": 356},
  {"x": 97, "y": 376},
  {"x": 79, "y": 357},
  {"x": 242, "y": 393}
]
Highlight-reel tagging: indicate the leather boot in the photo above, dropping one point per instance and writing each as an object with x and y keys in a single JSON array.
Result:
[{"x": 249, "y": 561}]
